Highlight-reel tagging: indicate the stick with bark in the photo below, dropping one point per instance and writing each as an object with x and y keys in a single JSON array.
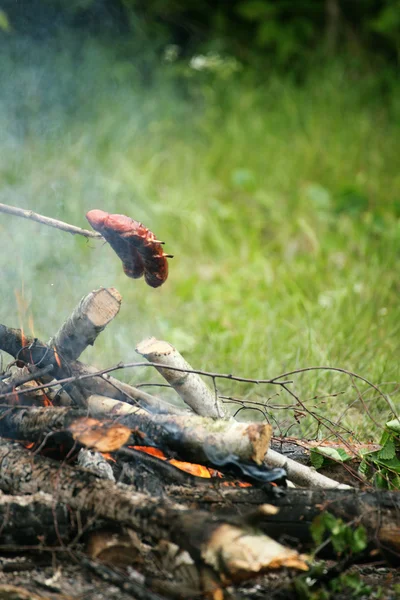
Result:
[
  {"x": 190, "y": 387},
  {"x": 29, "y": 214}
]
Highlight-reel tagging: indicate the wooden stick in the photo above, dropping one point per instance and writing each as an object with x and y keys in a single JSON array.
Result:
[
  {"x": 93, "y": 313},
  {"x": 29, "y": 214},
  {"x": 301, "y": 474},
  {"x": 191, "y": 388}
]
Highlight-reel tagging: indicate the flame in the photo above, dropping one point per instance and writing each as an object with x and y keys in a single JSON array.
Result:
[
  {"x": 57, "y": 357},
  {"x": 29, "y": 445},
  {"x": 46, "y": 400},
  {"x": 192, "y": 468},
  {"x": 108, "y": 456}
]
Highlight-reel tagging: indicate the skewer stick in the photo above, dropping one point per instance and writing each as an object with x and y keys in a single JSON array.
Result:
[{"x": 29, "y": 214}]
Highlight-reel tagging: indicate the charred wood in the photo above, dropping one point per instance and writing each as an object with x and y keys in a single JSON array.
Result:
[
  {"x": 216, "y": 542},
  {"x": 34, "y": 520},
  {"x": 35, "y": 353}
]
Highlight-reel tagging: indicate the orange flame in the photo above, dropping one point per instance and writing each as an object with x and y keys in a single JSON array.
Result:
[
  {"x": 192, "y": 468},
  {"x": 108, "y": 456},
  {"x": 57, "y": 357}
]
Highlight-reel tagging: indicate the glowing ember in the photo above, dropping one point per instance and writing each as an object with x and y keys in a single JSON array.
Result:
[
  {"x": 192, "y": 468},
  {"x": 57, "y": 357}
]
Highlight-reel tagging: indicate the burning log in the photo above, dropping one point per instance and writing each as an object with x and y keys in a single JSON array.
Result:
[
  {"x": 34, "y": 352},
  {"x": 200, "y": 439},
  {"x": 231, "y": 547},
  {"x": 190, "y": 387}
]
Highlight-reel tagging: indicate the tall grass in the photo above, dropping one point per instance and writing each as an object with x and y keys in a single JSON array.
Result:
[{"x": 279, "y": 201}]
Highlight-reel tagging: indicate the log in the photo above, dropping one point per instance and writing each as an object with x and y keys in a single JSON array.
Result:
[
  {"x": 33, "y": 351},
  {"x": 34, "y": 520},
  {"x": 195, "y": 438},
  {"x": 190, "y": 387},
  {"x": 93, "y": 313},
  {"x": 236, "y": 550},
  {"x": 377, "y": 511}
]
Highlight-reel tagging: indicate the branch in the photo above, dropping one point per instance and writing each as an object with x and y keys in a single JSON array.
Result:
[
  {"x": 93, "y": 313},
  {"x": 193, "y": 391},
  {"x": 29, "y": 214}
]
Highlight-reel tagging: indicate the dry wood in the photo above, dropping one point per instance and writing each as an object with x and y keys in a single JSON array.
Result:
[
  {"x": 29, "y": 214},
  {"x": 88, "y": 319},
  {"x": 190, "y": 387},
  {"x": 33, "y": 351},
  {"x": 378, "y": 511},
  {"x": 193, "y": 437},
  {"x": 301, "y": 474},
  {"x": 235, "y": 550}
]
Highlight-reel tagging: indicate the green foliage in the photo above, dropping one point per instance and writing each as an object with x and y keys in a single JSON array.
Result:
[
  {"x": 323, "y": 455},
  {"x": 278, "y": 33},
  {"x": 344, "y": 539},
  {"x": 382, "y": 467},
  {"x": 244, "y": 182}
]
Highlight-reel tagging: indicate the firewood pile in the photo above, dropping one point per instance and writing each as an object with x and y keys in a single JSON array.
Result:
[
  {"x": 112, "y": 485},
  {"x": 172, "y": 500}
]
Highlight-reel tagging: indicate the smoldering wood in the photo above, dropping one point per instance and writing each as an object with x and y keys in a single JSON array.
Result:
[
  {"x": 90, "y": 317},
  {"x": 209, "y": 540},
  {"x": 378, "y": 511},
  {"x": 195, "y": 438},
  {"x": 190, "y": 386},
  {"x": 33, "y": 424},
  {"x": 34, "y": 520},
  {"x": 34, "y": 352}
]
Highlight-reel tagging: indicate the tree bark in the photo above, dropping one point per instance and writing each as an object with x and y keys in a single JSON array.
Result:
[{"x": 377, "y": 511}]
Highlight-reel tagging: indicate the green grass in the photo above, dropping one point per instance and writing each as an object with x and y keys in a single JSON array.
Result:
[{"x": 280, "y": 203}]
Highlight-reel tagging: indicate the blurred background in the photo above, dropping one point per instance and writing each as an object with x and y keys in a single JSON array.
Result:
[{"x": 259, "y": 139}]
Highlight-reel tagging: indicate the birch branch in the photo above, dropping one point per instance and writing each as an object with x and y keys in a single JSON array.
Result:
[
  {"x": 93, "y": 313},
  {"x": 301, "y": 474},
  {"x": 32, "y": 216},
  {"x": 190, "y": 387}
]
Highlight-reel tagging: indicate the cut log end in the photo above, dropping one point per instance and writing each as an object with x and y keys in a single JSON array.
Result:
[
  {"x": 102, "y": 305},
  {"x": 153, "y": 347}
]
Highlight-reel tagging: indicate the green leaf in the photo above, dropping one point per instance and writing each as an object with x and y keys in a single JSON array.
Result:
[
  {"x": 360, "y": 539},
  {"x": 388, "y": 450},
  {"x": 317, "y": 460},
  {"x": 394, "y": 425},
  {"x": 336, "y": 454},
  {"x": 317, "y": 529}
]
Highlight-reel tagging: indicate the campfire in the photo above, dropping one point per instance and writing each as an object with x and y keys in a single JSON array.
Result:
[{"x": 164, "y": 499}]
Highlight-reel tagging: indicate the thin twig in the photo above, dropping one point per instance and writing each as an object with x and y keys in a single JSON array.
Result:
[{"x": 29, "y": 214}]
